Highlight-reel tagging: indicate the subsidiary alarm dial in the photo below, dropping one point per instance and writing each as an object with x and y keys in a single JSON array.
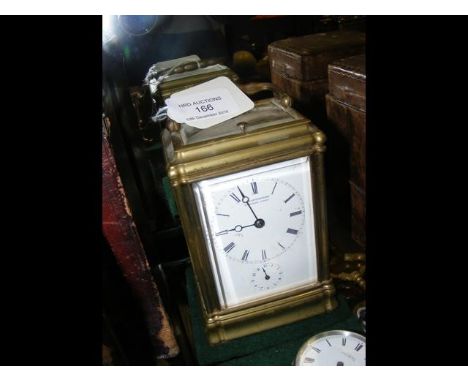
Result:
[{"x": 266, "y": 276}]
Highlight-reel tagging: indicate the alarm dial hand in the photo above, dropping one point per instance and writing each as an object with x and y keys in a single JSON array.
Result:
[{"x": 266, "y": 276}]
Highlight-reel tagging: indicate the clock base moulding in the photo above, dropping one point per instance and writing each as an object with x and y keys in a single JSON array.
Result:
[
  {"x": 224, "y": 327},
  {"x": 275, "y": 347}
]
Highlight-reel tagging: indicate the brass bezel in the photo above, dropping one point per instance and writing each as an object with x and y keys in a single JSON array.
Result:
[{"x": 190, "y": 163}]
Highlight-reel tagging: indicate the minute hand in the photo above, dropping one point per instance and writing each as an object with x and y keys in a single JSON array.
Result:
[{"x": 245, "y": 200}]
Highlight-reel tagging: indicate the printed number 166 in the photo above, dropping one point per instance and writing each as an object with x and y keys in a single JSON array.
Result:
[{"x": 204, "y": 108}]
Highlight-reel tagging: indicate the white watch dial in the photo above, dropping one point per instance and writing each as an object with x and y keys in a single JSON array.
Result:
[
  {"x": 333, "y": 348},
  {"x": 253, "y": 217}
]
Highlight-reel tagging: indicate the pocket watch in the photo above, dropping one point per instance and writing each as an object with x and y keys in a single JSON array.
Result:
[
  {"x": 333, "y": 348},
  {"x": 251, "y": 198}
]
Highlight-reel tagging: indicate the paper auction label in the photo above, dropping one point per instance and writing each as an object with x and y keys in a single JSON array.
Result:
[
  {"x": 213, "y": 103},
  {"x": 208, "y": 104}
]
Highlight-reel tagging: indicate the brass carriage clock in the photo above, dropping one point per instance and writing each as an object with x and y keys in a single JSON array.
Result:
[
  {"x": 168, "y": 77},
  {"x": 251, "y": 198}
]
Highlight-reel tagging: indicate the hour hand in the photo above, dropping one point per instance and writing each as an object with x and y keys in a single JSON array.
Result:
[{"x": 245, "y": 199}]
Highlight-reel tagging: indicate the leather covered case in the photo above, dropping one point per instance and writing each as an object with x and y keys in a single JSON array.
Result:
[
  {"x": 351, "y": 123},
  {"x": 337, "y": 114},
  {"x": 358, "y": 214},
  {"x": 306, "y": 58},
  {"x": 346, "y": 111},
  {"x": 306, "y": 92},
  {"x": 347, "y": 81}
]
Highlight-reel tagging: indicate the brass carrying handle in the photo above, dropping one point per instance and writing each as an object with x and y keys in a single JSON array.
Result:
[{"x": 256, "y": 87}]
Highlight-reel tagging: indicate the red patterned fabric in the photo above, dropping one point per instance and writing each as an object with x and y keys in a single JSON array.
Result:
[{"x": 121, "y": 233}]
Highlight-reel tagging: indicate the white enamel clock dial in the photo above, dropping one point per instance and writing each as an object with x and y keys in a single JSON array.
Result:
[
  {"x": 272, "y": 199},
  {"x": 259, "y": 230},
  {"x": 333, "y": 348}
]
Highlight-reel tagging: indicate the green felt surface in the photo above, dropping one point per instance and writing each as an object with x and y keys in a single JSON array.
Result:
[
  {"x": 272, "y": 347},
  {"x": 284, "y": 354}
]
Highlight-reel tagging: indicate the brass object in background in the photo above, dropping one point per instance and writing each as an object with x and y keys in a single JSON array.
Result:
[
  {"x": 257, "y": 87},
  {"x": 350, "y": 267},
  {"x": 357, "y": 256},
  {"x": 354, "y": 276},
  {"x": 272, "y": 132}
]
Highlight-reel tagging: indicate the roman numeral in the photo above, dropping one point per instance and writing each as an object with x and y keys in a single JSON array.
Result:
[
  {"x": 316, "y": 349},
  {"x": 274, "y": 188},
  {"x": 234, "y": 196},
  {"x": 245, "y": 255},
  {"x": 288, "y": 199},
  {"x": 254, "y": 187},
  {"x": 264, "y": 256},
  {"x": 295, "y": 213},
  {"x": 328, "y": 342},
  {"x": 292, "y": 231},
  {"x": 230, "y": 246},
  {"x": 343, "y": 341},
  {"x": 222, "y": 215},
  {"x": 358, "y": 347}
]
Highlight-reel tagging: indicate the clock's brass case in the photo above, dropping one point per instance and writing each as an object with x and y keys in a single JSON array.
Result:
[
  {"x": 180, "y": 81},
  {"x": 269, "y": 133}
]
